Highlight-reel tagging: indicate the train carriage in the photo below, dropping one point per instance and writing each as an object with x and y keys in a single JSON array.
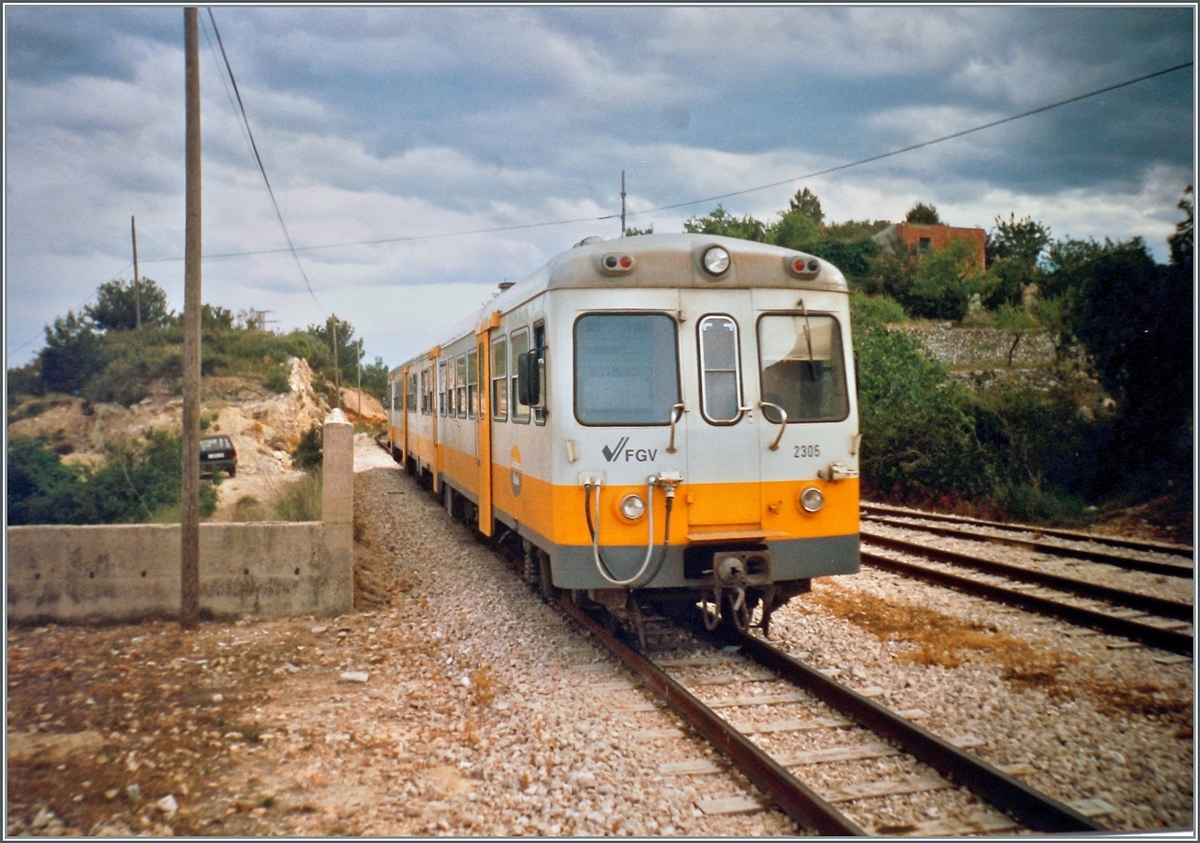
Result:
[{"x": 668, "y": 415}]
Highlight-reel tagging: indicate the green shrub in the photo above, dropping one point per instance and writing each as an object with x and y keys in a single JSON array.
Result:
[
  {"x": 136, "y": 482},
  {"x": 301, "y": 500},
  {"x": 278, "y": 379},
  {"x": 308, "y": 453}
]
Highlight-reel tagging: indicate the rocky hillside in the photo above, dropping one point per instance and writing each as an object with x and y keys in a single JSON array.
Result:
[{"x": 264, "y": 427}]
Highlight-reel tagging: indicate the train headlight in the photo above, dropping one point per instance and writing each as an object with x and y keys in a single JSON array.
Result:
[
  {"x": 811, "y": 500},
  {"x": 716, "y": 261},
  {"x": 633, "y": 507}
]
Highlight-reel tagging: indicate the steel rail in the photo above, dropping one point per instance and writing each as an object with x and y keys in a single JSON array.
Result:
[
  {"x": 1163, "y": 639},
  {"x": 1034, "y": 809},
  {"x": 791, "y": 795},
  {"x": 1080, "y": 535},
  {"x": 1169, "y": 569},
  {"x": 1162, "y": 607}
]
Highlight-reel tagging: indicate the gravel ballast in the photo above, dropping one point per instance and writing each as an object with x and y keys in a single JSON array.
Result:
[{"x": 454, "y": 702}]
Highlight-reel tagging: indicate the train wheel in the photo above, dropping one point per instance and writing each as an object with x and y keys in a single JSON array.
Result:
[
  {"x": 710, "y": 610},
  {"x": 529, "y": 565},
  {"x": 545, "y": 578}
]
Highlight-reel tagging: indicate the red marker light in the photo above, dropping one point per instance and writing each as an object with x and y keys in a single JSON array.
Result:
[
  {"x": 626, "y": 262},
  {"x": 798, "y": 264}
]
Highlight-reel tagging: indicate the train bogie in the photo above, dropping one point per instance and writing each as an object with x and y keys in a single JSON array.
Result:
[{"x": 668, "y": 414}]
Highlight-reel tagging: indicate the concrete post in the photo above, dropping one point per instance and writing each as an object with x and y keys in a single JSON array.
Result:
[{"x": 337, "y": 510}]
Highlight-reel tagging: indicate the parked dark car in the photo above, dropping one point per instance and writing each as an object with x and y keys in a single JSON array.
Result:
[{"x": 217, "y": 452}]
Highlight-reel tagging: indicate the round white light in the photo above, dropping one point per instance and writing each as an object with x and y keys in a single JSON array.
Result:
[
  {"x": 811, "y": 500},
  {"x": 716, "y": 260},
  {"x": 632, "y": 507}
]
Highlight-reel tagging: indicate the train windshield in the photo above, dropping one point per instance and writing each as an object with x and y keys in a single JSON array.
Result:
[
  {"x": 802, "y": 367},
  {"x": 626, "y": 369}
]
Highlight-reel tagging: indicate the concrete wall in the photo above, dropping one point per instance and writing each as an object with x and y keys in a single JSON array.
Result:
[{"x": 125, "y": 572}]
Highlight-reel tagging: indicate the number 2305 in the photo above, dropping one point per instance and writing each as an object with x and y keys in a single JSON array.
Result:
[{"x": 799, "y": 451}]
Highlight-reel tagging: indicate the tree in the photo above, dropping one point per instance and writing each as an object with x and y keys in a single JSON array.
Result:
[
  {"x": 806, "y": 204},
  {"x": 1022, "y": 240},
  {"x": 794, "y": 230},
  {"x": 116, "y": 305},
  {"x": 724, "y": 224},
  {"x": 1181, "y": 240},
  {"x": 923, "y": 214},
  {"x": 637, "y": 232},
  {"x": 74, "y": 352},
  {"x": 348, "y": 351}
]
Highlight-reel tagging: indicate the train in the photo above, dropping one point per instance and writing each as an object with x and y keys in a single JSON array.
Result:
[{"x": 657, "y": 422}]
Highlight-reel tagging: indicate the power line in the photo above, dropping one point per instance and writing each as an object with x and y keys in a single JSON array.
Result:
[
  {"x": 606, "y": 217},
  {"x": 258, "y": 158}
]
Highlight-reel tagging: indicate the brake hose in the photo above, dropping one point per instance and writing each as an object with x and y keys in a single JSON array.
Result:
[{"x": 593, "y": 530}]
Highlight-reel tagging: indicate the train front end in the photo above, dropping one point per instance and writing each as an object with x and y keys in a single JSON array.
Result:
[{"x": 710, "y": 452}]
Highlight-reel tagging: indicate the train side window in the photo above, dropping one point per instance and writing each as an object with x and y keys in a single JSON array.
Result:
[
  {"x": 539, "y": 344},
  {"x": 720, "y": 372},
  {"x": 460, "y": 402},
  {"x": 500, "y": 380},
  {"x": 412, "y": 392},
  {"x": 626, "y": 368},
  {"x": 445, "y": 393},
  {"x": 803, "y": 368},
  {"x": 520, "y": 345},
  {"x": 424, "y": 392},
  {"x": 472, "y": 382}
]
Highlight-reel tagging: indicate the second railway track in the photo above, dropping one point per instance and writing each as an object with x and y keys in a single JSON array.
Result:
[{"x": 1155, "y": 621}]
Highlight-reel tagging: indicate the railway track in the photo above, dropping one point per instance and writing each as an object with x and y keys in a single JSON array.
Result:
[
  {"x": 898, "y": 757},
  {"x": 1174, "y": 567},
  {"x": 1154, "y": 621}
]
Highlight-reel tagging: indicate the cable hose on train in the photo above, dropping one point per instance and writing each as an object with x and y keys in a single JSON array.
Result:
[{"x": 602, "y": 566}]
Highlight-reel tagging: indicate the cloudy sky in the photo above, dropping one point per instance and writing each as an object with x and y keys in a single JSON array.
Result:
[{"x": 389, "y": 134}]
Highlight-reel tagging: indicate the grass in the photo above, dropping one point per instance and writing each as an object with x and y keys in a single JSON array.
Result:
[
  {"x": 301, "y": 500},
  {"x": 248, "y": 508},
  {"x": 941, "y": 639}
]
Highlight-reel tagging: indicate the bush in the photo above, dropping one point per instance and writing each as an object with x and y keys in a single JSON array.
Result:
[
  {"x": 308, "y": 453},
  {"x": 137, "y": 482},
  {"x": 918, "y": 438},
  {"x": 301, "y": 500}
]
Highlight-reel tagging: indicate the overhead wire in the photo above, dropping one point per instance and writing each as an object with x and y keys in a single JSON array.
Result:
[
  {"x": 258, "y": 158},
  {"x": 674, "y": 206}
]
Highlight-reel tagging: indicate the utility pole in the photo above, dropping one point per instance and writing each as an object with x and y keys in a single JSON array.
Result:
[
  {"x": 622, "y": 203},
  {"x": 137, "y": 284},
  {"x": 337, "y": 383},
  {"x": 189, "y": 573},
  {"x": 360, "y": 378}
]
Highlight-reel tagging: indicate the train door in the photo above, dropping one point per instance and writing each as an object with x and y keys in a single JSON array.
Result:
[
  {"x": 483, "y": 431},
  {"x": 723, "y": 496}
]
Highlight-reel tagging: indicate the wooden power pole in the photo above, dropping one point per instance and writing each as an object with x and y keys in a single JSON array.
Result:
[
  {"x": 137, "y": 283},
  {"x": 189, "y": 579}
]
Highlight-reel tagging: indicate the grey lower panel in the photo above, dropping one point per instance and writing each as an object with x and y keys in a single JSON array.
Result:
[{"x": 791, "y": 559}]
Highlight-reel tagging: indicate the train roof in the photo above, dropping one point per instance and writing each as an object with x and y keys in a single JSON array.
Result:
[{"x": 659, "y": 260}]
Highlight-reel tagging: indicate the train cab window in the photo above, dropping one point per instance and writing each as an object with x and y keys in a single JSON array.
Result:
[
  {"x": 472, "y": 383},
  {"x": 500, "y": 380},
  {"x": 802, "y": 367},
  {"x": 720, "y": 372},
  {"x": 520, "y": 345},
  {"x": 460, "y": 403},
  {"x": 626, "y": 368}
]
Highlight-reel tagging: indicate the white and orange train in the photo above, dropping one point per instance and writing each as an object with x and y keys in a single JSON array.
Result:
[{"x": 672, "y": 417}]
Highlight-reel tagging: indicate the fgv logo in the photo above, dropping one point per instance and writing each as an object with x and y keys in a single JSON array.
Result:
[{"x": 621, "y": 453}]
